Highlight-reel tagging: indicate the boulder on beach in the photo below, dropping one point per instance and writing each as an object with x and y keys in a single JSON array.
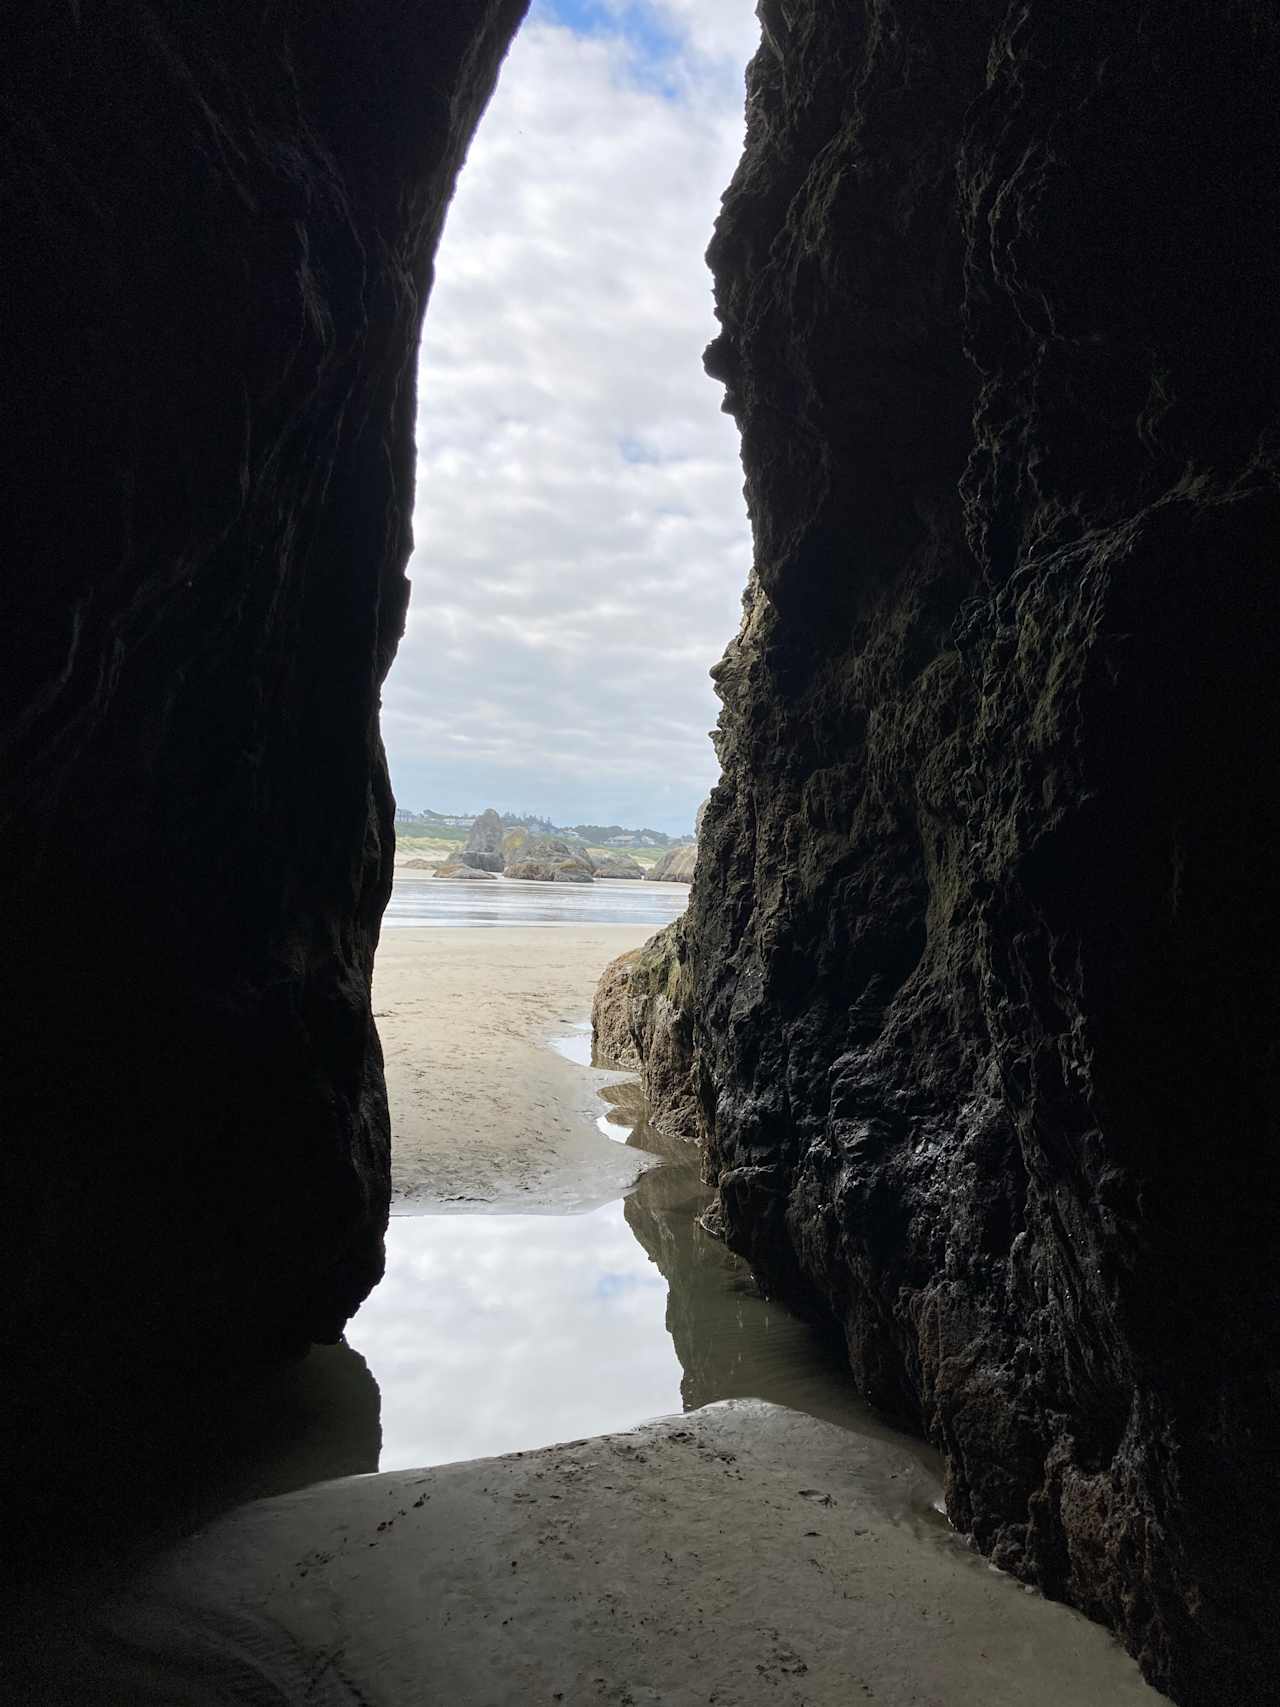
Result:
[
  {"x": 617, "y": 865},
  {"x": 551, "y": 871},
  {"x": 546, "y": 859},
  {"x": 483, "y": 849},
  {"x": 417, "y": 864},
  {"x": 467, "y": 872}
]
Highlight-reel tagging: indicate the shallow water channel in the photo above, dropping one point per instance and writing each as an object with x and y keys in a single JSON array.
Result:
[{"x": 495, "y": 1333}]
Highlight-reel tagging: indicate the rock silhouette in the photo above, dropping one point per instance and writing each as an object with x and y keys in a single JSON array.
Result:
[
  {"x": 983, "y": 938},
  {"x": 226, "y": 236}
]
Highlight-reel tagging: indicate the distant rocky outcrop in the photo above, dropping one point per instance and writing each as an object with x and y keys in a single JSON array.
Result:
[
  {"x": 617, "y": 865},
  {"x": 417, "y": 864},
  {"x": 549, "y": 871},
  {"x": 514, "y": 844},
  {"x": 640, "y": 1018},
  {"x": 466, "y": 872},
  {"x": 483, "y": 849},
  {"x": 676, "y": 865},
  {"x": 546, "y": 859}
]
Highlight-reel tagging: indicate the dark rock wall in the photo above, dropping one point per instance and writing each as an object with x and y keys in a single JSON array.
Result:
[
  {"x": 219, "y": 223},
  {"x": 984, "y": 930}
]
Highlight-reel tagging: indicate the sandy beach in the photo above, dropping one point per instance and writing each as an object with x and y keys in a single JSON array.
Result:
[{"x": 484, "y": 1113}]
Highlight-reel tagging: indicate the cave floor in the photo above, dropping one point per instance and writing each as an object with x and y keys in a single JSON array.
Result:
[{"x": 741, "y": 1553}]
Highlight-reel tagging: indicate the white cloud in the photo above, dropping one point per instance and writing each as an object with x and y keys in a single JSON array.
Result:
[
  {"x": 720, "y": 28},
  {"x": 581, "y": 540}
]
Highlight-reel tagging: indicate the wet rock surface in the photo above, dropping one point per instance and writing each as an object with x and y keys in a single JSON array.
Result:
[
  {"x": 225, "y": 235},
  {"x": 983, "y": 938},
  {"x": 640, "y": 1018},
  {"x": 613, "y": 1042}
]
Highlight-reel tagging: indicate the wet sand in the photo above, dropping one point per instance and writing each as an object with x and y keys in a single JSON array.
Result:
[
  {"x": 484, "y": 1115},
  {"x": 743, "y": 1552}
]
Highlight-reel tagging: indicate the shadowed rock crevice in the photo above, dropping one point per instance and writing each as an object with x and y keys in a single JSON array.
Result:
[
  {"x": 221, "y": 230},
  {"x": 982, "y": 947}
]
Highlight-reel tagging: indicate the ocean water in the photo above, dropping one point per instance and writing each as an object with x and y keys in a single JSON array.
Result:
[{"x": 427, "y": 900}]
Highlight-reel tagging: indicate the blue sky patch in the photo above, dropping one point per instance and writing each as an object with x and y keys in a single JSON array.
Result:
[{"x": 656, "y": 50}]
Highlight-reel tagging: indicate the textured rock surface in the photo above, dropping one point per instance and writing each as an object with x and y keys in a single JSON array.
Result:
[
  {"x": 551, "y": 871},
  {"x": 617, "y": 865},
  {"x": 546, "y": 859},
  {"x": 484, "y": 846},
  {"x": 985, "y": 924},
  {"x": 677, "y": 865},
  {"x": 613, "y": 1042},
  {"x": 225, "y": 233},
  {"x": 640, "y": 1017},
  {"x": 466, "y": 873}
]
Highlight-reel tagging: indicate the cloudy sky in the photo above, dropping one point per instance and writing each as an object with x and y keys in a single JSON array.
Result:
[{"x": 581, "y": 541}]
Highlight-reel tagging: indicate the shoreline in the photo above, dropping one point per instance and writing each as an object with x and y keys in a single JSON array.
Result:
[{"x": 486, "y": 1116}]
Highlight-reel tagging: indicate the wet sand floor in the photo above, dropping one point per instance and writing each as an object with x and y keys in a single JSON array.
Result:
[{"x": 742, "y": 1553}]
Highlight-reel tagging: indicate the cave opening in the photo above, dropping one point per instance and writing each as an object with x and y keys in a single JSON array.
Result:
[
  {"x": 580, "y": 547},
  {"x": 580, "y": 536},
  {"x": 998, "y": 328}
]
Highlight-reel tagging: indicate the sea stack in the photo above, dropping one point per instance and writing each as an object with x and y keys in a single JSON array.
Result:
[{"x": 483, "y": 849}]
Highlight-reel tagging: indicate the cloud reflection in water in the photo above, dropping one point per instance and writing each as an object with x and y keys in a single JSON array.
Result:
[{"x": 498, "y": 1333}]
